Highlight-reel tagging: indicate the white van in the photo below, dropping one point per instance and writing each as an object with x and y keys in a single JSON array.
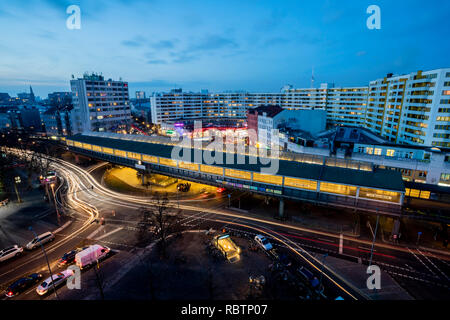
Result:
[
  {"x": 91, "y": 255},
  {"x": 43, "y": 238}
]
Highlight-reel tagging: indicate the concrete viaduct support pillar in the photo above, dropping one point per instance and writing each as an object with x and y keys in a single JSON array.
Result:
[
  {"x": 281, "y": 209},
  {"x": 143, "y": 177}
]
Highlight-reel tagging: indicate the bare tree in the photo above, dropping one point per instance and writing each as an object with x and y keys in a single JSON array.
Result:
[{"x": 165, "y": 221}]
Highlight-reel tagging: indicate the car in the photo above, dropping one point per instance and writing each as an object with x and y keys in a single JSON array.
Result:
[
  {"x": 263, "y": 242},
  {"x": 58, "y": 279},
  {"x": 220, "y": 190},
  {"x": 184, "y": 187},
  {"x": 91, "y": 255},
  {"x": 10, "y": 252},
  {"x": 69, "y": 257},
  {"x": 22, "y": 284},
  {"x": 41, "y": 239}
]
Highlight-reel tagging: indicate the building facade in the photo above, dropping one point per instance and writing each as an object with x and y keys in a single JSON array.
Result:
[
  {"x": 406, "y": 109},
  {"x": 411, "y": 109},
  {"x": 99, "y": 104}
]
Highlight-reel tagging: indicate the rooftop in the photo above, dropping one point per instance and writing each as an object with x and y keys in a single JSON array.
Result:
[{"x": 378, "y": 178}]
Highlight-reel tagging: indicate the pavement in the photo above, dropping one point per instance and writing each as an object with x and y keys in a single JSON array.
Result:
[
  {"x": 357, "y": 275},
  {"x": 15, "y": 218}
]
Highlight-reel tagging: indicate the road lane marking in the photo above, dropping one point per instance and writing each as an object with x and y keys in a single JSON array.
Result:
[
  {"x": 109, "y": 233},
  {"x": 422, "y": 262},
  {"x": 92, "y": 235},
  {"x": 431, "y": 262}
]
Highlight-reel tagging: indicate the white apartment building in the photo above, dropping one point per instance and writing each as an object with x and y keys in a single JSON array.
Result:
[
  {"x": 411, "y": 109},
  {"x": 407, "y": 109},
  {"x": 99, "y": 104},
  {"x": 347, "y": 106}
]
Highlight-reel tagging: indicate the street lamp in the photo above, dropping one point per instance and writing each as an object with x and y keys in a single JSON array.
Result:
[
  {"x": 17, "y": 180},
  {"x": 46, "y": 259},
  {"x": 54, "y": 200},
  {"x": 374, "y": 238}
]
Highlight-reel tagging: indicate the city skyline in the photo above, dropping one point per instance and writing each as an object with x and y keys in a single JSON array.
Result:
[{"x": 250, "y": 47}]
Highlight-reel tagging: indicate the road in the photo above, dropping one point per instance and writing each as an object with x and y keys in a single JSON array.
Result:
[{"x": 409, "y": 266}]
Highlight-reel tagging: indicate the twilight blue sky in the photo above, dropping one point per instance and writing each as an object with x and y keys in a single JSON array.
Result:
[{"x": 253, "y": 45}]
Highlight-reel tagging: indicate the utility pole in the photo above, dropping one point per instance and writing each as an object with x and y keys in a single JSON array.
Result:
[
  {"x": 48, "y": 264},
  {"x": 374, "y": 238},
  {"x": 16, "y": 182},
  {"x": 56, "y": 206}
]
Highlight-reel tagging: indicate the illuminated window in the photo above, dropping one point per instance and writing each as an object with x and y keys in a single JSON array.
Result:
[
  {"x": 120, "y": 153},
  {"x": 267, "y": 178},
  {"x": 69, "y": 142},
  {"x": 168, "y": 162},
  {"x": 97, "y": 148},
  {"x": 238, "y": 174},
  {"x": 78, "y": 144},
  {"x": 108, "y": 150},
  {"x": 211, "y": 169},
  {"x": 133, "y": 155},
  {"x": 369, "y": 150},
  {"x": 151, "y": 159},
  {"x": 337, "y": 188},
  {"x": 300, "y": 183},
  {"x": 425, "y": 194},
  {"x": 377, "y": 152},
  {"x": 379, "y": 195},
  {"x": 390, "y": 153},
  {"x": 87, "y": 146},
  {"x": 414, "y": 193},
  {"x": 188, "y": 166}
]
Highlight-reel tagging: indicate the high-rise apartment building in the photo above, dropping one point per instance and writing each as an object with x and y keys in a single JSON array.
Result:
[
  {"x": 346, "y": 106},
  {"x": 408, "y": 109},
  {"x": 411, "y": 109},
  {"x": 99, "y": 104}
]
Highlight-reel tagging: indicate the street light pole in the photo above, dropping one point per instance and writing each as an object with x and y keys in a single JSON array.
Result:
[
  {"x": 56, "y": 206},
  {"x": 373, "y": 242},
  {"x": 46, "y": 259},
  {"x": 16, "y": 182}
]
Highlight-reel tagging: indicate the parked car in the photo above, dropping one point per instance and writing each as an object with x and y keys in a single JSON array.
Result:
[
  {"x": 306, "y": 273},
  {"x": 10, "y": 252},
  {"x": 22, "y": 285},
  {"x": 58, "y": 279},
  {"x": 263, "y": 242},
  {"x": 183, "y": 187},
  {"x": 43, "y": 238},
  {"x": 69, "y": 257},
  {"x": 91, "y": 255}
]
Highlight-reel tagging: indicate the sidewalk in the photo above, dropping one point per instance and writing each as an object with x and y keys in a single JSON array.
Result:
[{"x": 356, "y": 274}]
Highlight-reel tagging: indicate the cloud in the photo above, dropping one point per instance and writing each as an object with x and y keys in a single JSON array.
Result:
[
  {"x": 275, "y": 18},
  {"x": 157, "y": 61},
  {"x": 212, "y": 42},
  {"x": 164, "y": 44},
  {"x": 137, "y": 41},
  {"x": 275, "y": 41},
  {"x": 361, "y": 53},
  {"x": 183, "y": 57}
]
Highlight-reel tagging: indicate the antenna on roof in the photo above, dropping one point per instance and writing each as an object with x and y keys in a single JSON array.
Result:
[{"x": 312, "y": 78}]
